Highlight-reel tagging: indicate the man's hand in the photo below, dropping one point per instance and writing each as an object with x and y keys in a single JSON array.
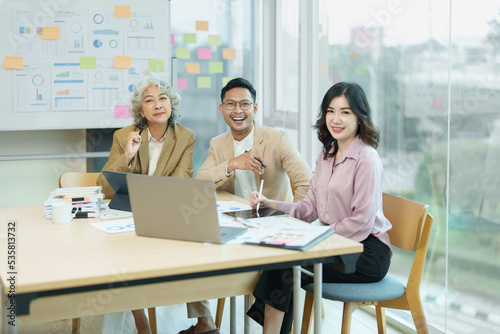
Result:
[{"x": 246, "y": 161}]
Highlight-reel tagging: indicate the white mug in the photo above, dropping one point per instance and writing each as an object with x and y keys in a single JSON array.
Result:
[{"x": 63, "y": 213}]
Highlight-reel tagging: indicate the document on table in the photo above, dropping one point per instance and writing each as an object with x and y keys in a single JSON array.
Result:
[
  {"x": 225, "y": 206},
  {"x": 116, "y": 225},
  {"x": 107, "y": 213},
  {"x": 283, "y": 232}
]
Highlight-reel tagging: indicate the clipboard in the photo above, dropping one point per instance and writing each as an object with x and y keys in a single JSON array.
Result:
[{"x": 288, "y": 237}]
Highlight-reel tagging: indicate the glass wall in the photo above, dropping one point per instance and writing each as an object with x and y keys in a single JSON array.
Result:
[
  {"x": 213, "y": 41},
  {"x": 431, "y": 70}
]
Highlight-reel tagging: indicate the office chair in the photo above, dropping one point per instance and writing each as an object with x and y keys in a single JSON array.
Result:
[
  {"x": 411, "y": 230},
  {"x": 77, "y": 179}
]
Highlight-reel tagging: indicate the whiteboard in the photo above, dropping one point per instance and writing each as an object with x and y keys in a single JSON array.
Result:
[{"x": 80, "y": 63}]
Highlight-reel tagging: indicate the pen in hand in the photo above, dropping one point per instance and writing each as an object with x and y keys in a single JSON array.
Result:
[
  {"x": 260, "y": 194},
  {"x": 261, "y": 163}
]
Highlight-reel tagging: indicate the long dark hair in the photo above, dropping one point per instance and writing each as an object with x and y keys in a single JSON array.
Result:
[{"x": 359, "y": 105}]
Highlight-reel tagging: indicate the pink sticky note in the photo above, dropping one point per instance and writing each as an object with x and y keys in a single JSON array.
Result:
[
  {"x": 182, "y": 83},
  {"x": 172, "y": 39},
  {"x": 204, "y": 53},
  {"x": 122, "y": 112}
]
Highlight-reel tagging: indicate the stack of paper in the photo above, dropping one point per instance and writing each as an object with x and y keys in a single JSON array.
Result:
[{"x": 88, "y": 200}]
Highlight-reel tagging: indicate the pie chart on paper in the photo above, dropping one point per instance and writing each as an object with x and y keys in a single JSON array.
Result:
[{"x": 97, "y": 43}]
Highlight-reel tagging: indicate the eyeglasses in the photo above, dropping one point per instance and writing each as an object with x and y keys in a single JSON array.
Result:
[{"x": 244, "y": 105}]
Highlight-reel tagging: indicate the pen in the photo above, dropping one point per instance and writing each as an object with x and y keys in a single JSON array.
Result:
[
  {"x": 140, "y": 132},
  {"x": 260, "y": 193},
  {"x": 261, "y": 163}
]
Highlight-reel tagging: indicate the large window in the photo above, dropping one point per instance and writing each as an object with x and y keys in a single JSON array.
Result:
[
  {"x": 431, "y": 70},
  {"x": 213, "y": 42}
]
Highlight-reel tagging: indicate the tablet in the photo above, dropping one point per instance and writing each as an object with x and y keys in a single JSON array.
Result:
[
  {"x": 264, "y": 212},
  {"x": 118, "y": 181}
]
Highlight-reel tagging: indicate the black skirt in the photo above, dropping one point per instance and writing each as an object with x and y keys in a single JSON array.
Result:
[{"x": 275, "y": 287}]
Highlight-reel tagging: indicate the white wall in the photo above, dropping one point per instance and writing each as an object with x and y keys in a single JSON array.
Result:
[{"x": 27, "y": 182}]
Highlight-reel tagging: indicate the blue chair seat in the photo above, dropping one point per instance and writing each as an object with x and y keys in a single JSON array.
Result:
[{"x": 388, "y": 288}]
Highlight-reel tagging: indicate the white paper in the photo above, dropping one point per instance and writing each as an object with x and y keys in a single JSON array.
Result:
[
  {"x": 226, "y": 206},
  {"x": 107, "y": 213},
  {"x": 115, "y": 226}
]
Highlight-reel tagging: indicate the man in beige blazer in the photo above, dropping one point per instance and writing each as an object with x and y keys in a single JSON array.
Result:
[{"x": 238, "y": 160}]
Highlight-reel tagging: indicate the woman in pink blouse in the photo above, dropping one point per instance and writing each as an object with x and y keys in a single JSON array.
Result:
[{"x": 345, "y": 193}]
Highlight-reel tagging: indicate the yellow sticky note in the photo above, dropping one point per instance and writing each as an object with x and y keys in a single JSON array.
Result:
[
  {"x": 88, "y": 63},
  {"x": 214, "y": 40},
  {"x": 13, "y": 63},
  {"x": 182, "y": 53},
  {"x": 225, "y": 80},
  {"x": 202, "y": 25},
  {"x": 189, "y": 38},
  {"x": 204, "y": 82},
  {"x": 156, "y": 65},
  {"x": 123, "y": 12},
  {"x": 192, "y": 67},
  {"x": 228, "y": 54},
  {"x": 51, "y": 33},
  {"x": 123, "y": 62},
  {"x": 216, "y": 67}
]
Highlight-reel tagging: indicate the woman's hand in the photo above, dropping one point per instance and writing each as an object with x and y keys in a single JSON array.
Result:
[
  {"x": 264, "y": 202},
  {"x": 132, "y": 144}
]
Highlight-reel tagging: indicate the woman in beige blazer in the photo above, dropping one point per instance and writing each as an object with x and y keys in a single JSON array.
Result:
[{"x": 154, "y": 145}]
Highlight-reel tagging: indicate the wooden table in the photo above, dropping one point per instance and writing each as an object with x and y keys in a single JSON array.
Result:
[{"x": 76, "y": 270}]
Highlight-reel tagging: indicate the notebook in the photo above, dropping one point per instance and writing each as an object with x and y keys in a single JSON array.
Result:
[
  {"x": 118, "y": 182},
  {"x": 177, "y": 208}
]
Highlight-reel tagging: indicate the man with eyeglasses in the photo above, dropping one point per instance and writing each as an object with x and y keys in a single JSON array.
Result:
[{"x": 239, "y": 159}]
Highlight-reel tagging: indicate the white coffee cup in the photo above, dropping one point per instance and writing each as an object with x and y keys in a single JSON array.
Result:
[{"x": 63, "y": 213}]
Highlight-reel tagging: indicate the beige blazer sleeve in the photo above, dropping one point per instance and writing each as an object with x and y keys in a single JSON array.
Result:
[{"x": 214, "y": 166}]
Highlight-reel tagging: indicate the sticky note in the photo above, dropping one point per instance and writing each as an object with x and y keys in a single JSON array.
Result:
[
  {"x": 172, "y": 39},
  {"x": 362, "y": 69},
  {"x": 204, "y": 53},
  {"x": 182, "y": 53},
  {"x": 437, "y": 103},
  {"x": 192, "y": 67},
  {"x": 123, "y": 12},
  {"x": 13, "y": 63},
  {"x": 123, "y": 62},
  {"x": 204, "y": 82},
  {"x": 225, "y": 80},
  {"x": 88, "y": 63},
  {"x": 216, "y": 67},
  {"x": 189, "y": 38},
  {"x": 214, "y": 40},
  {"x": 122, "y": 112},
  {"x": 202, "y": 25},
  {"x": 343, "y": 69},
  {"x": 51, "y": 33},
  {"x": 156, "y": 65},
  {"x": 228, "y": 54},
  {"x": 182, "y": 83}
]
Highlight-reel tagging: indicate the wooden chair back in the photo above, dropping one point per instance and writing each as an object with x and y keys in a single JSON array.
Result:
[
  {"x": 78, "y": 179},
  {"x": 407, "y": 218}
]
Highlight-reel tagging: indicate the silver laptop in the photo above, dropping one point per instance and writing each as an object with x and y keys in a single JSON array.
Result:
[{"x": 177, "y": 208}]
